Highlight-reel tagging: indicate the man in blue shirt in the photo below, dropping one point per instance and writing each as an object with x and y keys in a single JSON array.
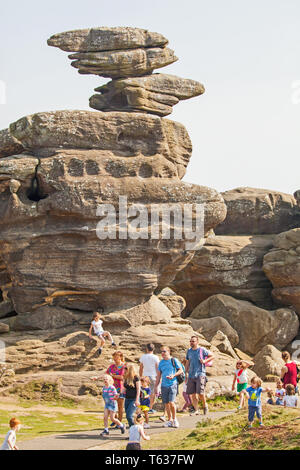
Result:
[
  {"x": 168, "y": 369},
  {"x": 196, "y": 380}
]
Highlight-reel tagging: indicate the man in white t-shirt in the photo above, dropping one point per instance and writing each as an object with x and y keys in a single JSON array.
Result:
[{"x": 149, "y": 368}]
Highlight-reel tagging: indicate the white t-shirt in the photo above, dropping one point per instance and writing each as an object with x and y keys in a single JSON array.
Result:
[
  {"x": 149, "y": 361},
  {"x": 243, "y": 377},
  {"x": 12, "y": 435},
  {"x": 97, "y": 325},
  {"x": 290, "y": 400},
  {"x": 281, "y": 393}
]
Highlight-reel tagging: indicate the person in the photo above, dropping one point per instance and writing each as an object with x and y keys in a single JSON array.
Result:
[
  {"x": 290, "y": 399},
  {"x": 109, "y": 395},
  {"x": 289, "y": 370},
  {"x": 253, "y": 394},
  {"x": 187, "y": 400},
  {"x": 10, "y": 438},
  {"x": 96, "y": 325},
  {"x": 271, "y": 398},
  {"x": 148, "y": 367},
  {"x": 241, "y": 379},
  {"x": 136, "y": 432},
  {"x": 117, "y": 371},
  {"x": 132, "y": 387},
  {"x": 196, "y": 380},
  {"x": 168, "y": 370},
  {"x": 145, "y": 399},
  {"x": 280, "y": 392}
]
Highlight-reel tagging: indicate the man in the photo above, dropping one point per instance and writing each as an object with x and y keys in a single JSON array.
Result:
[
  {"x": 196, "y": 374},
  {"x": 148, "y": 367},
  {"x": 167, "y": 374}
]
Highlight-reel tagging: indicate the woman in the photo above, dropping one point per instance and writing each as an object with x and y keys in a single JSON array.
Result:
[
  {"x": 289, "y": 371},
  {"x": 132, "y": 386},
  {"x": 116, "y": 371}
]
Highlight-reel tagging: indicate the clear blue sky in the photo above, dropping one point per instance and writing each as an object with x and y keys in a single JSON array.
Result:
[{"x": 245, "y": 129}]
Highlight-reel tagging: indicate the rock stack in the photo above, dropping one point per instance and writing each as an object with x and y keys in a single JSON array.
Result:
[
  {"x": 128, "y": 56},
  {"x": 71, "y": 162}
]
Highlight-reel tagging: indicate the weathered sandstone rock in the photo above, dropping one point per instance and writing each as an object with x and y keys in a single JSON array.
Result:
[
  {"x": 9, "y": 145},
  {"x": 156, "y": 94},
  {"x": 282, "y": 267},
  {"x": 222, "y": 343},
  {"x": 255, "y": 327},
  {"x": 258, "y": 211},
  {"x": 106, "y": 39},
  {"x": 175, "y": 303},
  {"x": 208, "y": 327},
  {"x": 268, "y": 361},
  {"x": 230, "y": 265}
]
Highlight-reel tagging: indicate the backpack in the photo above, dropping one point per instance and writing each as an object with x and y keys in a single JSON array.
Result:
[
  {"x": 180, "y": 378},
  {"x": 209, "y": 363}
]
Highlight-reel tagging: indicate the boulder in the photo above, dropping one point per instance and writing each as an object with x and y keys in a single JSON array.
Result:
[
  {"x": 222, "y": 343},
  {"x": 174, "y": 303},
  {"x": 282, "y": 266},
  {"x": 268, "y": 361},
  {"x": 258, "y": 211},
  {"x": 8, "y": 144},
  {"x": 230, "y": 265},
  {"x": 255, "y": 326},
  {"x": 4, "y": 328},
  {"x": 208, "y": 327}
]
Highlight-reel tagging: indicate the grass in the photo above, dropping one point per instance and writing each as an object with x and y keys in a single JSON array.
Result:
[{"x": 281, "y": 432}]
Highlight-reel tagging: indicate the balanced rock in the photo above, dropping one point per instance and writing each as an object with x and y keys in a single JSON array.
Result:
[
  {"x": 230, "y": 265},
  {"x": 156, "y": 94},
  {"x": 106, "y": 39},
  {"x": 255, "y": 326},
  {"x": 282, "y": 267},
  {"x": 268, "y": 361},
  {"x": 258, "y": 211}
]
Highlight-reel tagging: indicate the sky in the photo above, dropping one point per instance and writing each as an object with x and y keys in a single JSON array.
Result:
[{"x": 244, "y": 129}]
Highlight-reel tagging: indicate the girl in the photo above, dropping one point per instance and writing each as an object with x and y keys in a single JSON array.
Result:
[
  {"x": 117, "y": 371},
  {"x": 10, "y": 438},
  {"x": 109, "y": 395},
  {"x": 187, "y": 400},
  {"x": 254, "y": 400},
  {"x": 272, "y": 399},
  {"x": 145, "y": 399},
  {"x": 241, "y": 377},
  {"x": 290, "y": 400},
  {"x": 132, "y": 388},
  {"x": 136, "y": 431},
  {"x": 289, "y": 371},
  {"x": 280, "y": 392},
  {"x": 96, "y": 325}
]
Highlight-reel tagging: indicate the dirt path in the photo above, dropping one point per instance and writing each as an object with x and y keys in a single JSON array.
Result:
[{"x": 90, "y": 440}]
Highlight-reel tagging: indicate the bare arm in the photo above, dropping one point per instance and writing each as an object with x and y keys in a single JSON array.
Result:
[
  {"x": 187, "y": 368},
  {"x": 158, "y": 379},
  {"x": 138, "y": 391},
  {"x": 141, "y": 369},
  {"x": 284, "y": 370},
  {"x": 142, "y": 433},
  {"x": 90, "y": 331}
]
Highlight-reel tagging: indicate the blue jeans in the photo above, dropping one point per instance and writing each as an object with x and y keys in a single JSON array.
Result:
[
  {"x": 252, "y": 410},
  {"x": 130, "y": 410}
]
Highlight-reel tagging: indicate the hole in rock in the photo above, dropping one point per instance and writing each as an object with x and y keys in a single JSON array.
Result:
[{"x": 35, "y": 193}]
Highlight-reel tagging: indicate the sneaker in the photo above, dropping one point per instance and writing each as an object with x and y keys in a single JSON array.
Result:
[
  {"x": 162, "y": 418},
  {"x": 261, "y": 425},
  {"x": 99, "y": 351},
  {"x": 146, "y": 426},
  {"x": 123, "y": 428},
  {"x": 175, "y": 424},
  {"x": 195, "y": 413},
  {"x": 112, "y": 425},
  {"x": 205, "y": 410},
  {"x": 151, "y": 411},
  {"x": 168, "y": 424},
  {"x": 104, "y": 433},
  {"x": 113, "y": 344}
]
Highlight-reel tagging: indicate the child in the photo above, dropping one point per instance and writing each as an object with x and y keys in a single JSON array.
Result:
[
  {"x": 290, "y": 399},
  {"x": 96, "y": 325},
  {"x": 187, "y": 400},
  {"x": 241, "y": 378},
  {"x": 280, "y": 392},
  {"x": 145, "y": 399},
  {"x": 10, "y": 438},
  {"x": 135, "y": 433},
  {"x": 254, "y": 400},
  {"x": 272, "y": 400},
  {"x": 109, "y": 395}
]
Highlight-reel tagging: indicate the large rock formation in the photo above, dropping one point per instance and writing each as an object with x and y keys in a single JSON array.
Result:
[
  {"x": 255, "y": 326},
  {"x": 282, "y": 267},
  {"x": 76, "y": 231}
]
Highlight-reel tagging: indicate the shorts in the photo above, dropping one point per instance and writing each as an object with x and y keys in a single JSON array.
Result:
[
  {"x": 252, "y": 411},
  {"x": 133, "y": 446},
  {"x": 241, "y": 387},
  {"x": 168, "y": 394},
  {"x": 100, "y": 335},
  {"x": 122, "y": 396},
  {"x": 196, "y": 385},
  {"x": 111, "y": 406},
  {"x": 144, "y": 408},
  {"x": 152, "y": 383}
]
